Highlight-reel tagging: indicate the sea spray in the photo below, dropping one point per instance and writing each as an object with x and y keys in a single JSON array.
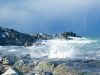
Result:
[
  {"x": 61, "y": 49},
  {"x": 78, "y": 48}
]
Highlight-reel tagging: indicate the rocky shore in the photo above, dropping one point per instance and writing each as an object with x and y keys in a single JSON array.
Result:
[
  {"x": 11, "y": 37},
  {"x": 11, "y": 64},
  {"x": 15, "y": 65}
]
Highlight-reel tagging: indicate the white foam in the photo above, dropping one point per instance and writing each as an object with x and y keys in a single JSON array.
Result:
[
  {"x": 13, "y": 50},
  {"x": 61, "y": 49},
  {"x": 56, "y": 48}
]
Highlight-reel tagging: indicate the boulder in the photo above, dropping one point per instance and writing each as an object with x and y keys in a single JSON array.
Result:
[
  {"x": 5, "y": 61},
  {"x": 35, "y": 35},
  {"x": 4, "y": 68},
  {"x": 66, "y": 34},
  {"x": 0, "y": 72},
  {"x": 10, "y": 37},
  {"x": 9, "y": 59},
  {"x": 44, "y": 66},
  {"x": 10, "y": 71},
  {"x": 1, "y": 59},
  {"x": 23, "y": 66},
  {"x": 28, "y": 56},
  {"x": 1, "y": 69},
  {"x": 43, "y": 73},
  {"x": 18, "y": 65},
  {"x": 63, "y": 70},
  {"x": 27, "y": 44},
  {"x": 56, "y": 36}
]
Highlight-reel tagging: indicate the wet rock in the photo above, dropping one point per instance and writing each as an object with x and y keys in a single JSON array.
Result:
[
  {"x": 10, "y": 71},
  {"x": 10, "y": 59},
  {"x": 28, "y": 56},
  {"x": 0, "y": 72},
  {"x": 1, "y": 59},
  {"x": 35, "y": 35},
  {"x": 5, "y": 61},
  {"x": 43, "y": 73},
  {"x": 45, "y": 66},
  {"x": 18, "y": 65},
  {"x": 63, "y": 70},
  {"x": 44, "y": 36},
  {"x": 4, "y": 68},
  {"x": 23, "y": 66},
  {"x": 56, "y": 36},
  {"x": 28, "y": 44},
  {"x": 68, "y": 34},
  {"x": 10, "y": 37},
  {"x": 1, "y": 69}
]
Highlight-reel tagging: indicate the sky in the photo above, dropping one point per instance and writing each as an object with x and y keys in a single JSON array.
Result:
[{"x": 51, "y": 16}]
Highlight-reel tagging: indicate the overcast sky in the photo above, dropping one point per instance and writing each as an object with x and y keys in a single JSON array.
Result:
[{"x": 51, "y": 16}]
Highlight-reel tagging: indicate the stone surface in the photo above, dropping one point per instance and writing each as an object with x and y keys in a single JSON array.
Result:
[
  {"x": 9, "y": 59},
  {"x": 69, "y": 67},
  {"x": 11, "y": 37},
  {"x": 10, "y": 71},
  {"x": 23, "y": 66},
  {"x": 43, "y": 73},
  {"x": 63, "y": 70},
  {"x": 5, "y": 61},
  {"x": 18, "y": 65},
  {"x": 1, "y": 59},
  {"x": 44, "y": 66}
]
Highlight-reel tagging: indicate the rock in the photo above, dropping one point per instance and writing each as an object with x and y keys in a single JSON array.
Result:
[
  {"x": 45, "y": 67},
  {"x": 18, "y": 65},
  {"x": 43, "y": 73},
  {"x": 23, "y": 66},
  {"x": 1, "y": 59},
  {"x": 42, "y": 36},
  {"x": 28, "y": 56},
  {"x": 4, "y": 68},
  {"x": 10, "y": 59},
  {"x": 10, "y": 37},
  {"x": 67, "y": 34},
  {"x": 0, "y": 72},
  {"x": 10, "y": 71},
  {"x": 56, "y": 36},
  {"x": 27, "y": 44},
  {"x": 5, "y": 61},
  {"x": 1, "y": 69},
  {"x": 63, "y": 70}
]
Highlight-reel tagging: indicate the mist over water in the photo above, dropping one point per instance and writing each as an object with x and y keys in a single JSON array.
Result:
[{"x": 78, "y": 48}]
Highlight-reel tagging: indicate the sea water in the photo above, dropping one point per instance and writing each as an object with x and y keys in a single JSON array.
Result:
[
  {"x": 78, "y": 48},
  {"x": 82, "y": 54}
]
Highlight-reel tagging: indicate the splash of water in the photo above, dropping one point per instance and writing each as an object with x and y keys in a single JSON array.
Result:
[
  {"x": 56, "y": 48},
  {"x": 61, "y": 49}
]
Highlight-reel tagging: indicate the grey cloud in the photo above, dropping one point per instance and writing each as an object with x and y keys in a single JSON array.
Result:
[{"x": 49, "y": 15}]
